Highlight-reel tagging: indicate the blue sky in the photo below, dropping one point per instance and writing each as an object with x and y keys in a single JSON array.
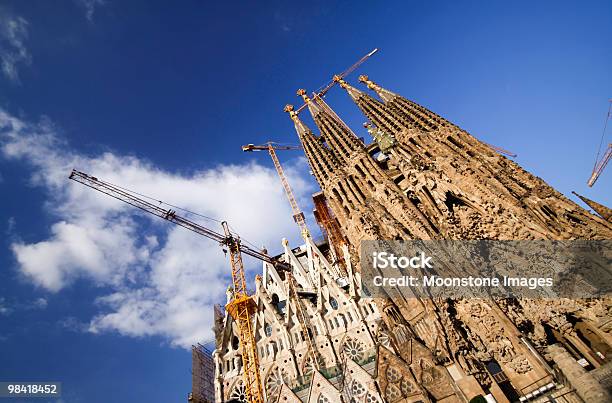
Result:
[{"x": 159, "y": 98}]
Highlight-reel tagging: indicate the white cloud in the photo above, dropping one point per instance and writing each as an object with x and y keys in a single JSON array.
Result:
[
  {"x": 90, "y": 6},
  {"x": 13, "y": 50},
  {"x": 164, "y": 279}
]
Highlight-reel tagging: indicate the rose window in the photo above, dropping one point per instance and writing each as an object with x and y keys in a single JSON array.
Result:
[
  {"x": 239, "y": 394},
  {"x": 354, "y": 350},
  {"x": 277, "y": 378}
]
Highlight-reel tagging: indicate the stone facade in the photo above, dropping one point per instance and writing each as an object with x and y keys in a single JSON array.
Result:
[
  {"x": 344, "y": 329},
  {"x": 422, "y": 178}
]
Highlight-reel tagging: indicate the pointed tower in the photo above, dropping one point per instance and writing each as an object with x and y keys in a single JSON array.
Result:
[
  {"x": 382, "y": 115},
  {"x": 322, "y": 161},
  {"x": 450, "y": 135},
  {"x": 346, "y": 200},
  {"x": 340, "y": 139},
  {"x": 479, "y": 192},
  {"x": 366, "y": 203},
  {"x": 603, "y": 211},
  {"x": 364, "y": 181},
  {"x": 426, "y": 118}
]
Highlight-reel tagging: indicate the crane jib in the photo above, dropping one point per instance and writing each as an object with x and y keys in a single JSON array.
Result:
[{"x": 168, "y": 215}]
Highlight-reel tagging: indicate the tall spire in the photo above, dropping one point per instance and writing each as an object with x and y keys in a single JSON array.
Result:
[
  {"x": 603, "y": 211},
  {"x": 340, "y": 139},
  {"x": 377, "y": 112},
  {"x": 321, "y": 160},
  {"x": 384, "y": 94},
  {"x": 410, "y": 110}
]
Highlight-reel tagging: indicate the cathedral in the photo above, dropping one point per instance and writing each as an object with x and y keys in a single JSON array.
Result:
[{"x": 419, "y": 177}]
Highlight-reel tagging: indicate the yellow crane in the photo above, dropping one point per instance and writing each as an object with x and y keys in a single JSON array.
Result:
[
  {"x": 241, "y": 306},
  {"x": 271, "y": 147}
]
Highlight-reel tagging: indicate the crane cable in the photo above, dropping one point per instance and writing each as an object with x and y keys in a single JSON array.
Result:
[
  {"x": 162, "y": 202},
  {"x": 233, "y": 230}
]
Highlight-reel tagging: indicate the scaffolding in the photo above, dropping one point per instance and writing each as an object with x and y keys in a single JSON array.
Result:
[{"x": 202, "y": 375}]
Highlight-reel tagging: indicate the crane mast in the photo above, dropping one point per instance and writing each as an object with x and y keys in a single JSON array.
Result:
[
  {"x": 241, "y": 306},
  {"x": 298, "y": 215}
]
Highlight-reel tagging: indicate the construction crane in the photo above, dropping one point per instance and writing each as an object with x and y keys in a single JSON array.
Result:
[
  {"x": 600, "y": 164},
  {"x": 298, "y": 217},
  {"x": 323, "y": 90},
  {"x": 271, "y": 147},
  {"x": 241, "y": 306}
]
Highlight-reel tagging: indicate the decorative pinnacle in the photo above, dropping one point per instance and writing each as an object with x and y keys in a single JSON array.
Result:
[
  {"x": 302, "y": 93},
  {"x": 371, "y": 85},
  {"x": 292, "y": 114},
  {"x": 340, "y": 81}
]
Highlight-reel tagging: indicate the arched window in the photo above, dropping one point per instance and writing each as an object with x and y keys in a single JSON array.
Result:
[
  {"x": 268, "y": 330},
  {"x": 333, "y": 303}
]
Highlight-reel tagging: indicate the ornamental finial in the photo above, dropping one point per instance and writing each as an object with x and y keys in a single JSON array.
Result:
[
  {"x": 371, "y": 84},
  {"x": 302, "y": 93},
  {"x": 292, "y": 113},
  {"x": 338, "y": 79}
]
